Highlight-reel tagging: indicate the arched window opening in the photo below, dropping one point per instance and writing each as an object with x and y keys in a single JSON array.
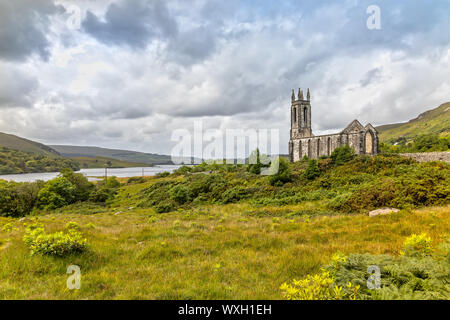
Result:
[{"x": 305, "y": 115}]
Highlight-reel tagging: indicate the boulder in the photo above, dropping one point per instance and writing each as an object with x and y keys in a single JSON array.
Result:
[{"x": 382, "y": 211}]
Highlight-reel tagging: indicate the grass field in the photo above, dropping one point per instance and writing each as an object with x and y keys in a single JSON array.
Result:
[{"x": 233, "y": 251}]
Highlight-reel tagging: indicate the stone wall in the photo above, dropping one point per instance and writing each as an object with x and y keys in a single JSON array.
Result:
[{"x": 429, "y": 156}]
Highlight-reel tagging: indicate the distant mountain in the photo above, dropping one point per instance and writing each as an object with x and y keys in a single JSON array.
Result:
[
  {"x": 14, "y": 142},
  {"x": 435, "y": 121},
  {"x": 123, "y": 155}
]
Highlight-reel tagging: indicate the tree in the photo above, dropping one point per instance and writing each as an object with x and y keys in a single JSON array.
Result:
[
  {"x": 342, "y": 155},
  {"x": 312, "y": 171},
  {"x": 283, "y": 174},
  {"x": 57, "y": 193},
  {"x": 82, "y": 185}
]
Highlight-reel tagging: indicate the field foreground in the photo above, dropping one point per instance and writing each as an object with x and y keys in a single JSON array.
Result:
[{"x": 209, "y": 252}]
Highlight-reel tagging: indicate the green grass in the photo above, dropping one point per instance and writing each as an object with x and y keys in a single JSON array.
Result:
[{"x": 211, "y": 252}]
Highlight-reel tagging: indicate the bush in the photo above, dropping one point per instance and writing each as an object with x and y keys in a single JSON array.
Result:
[
  {"x": 164, "y": 207},
  {"x": 312, "y": 171},
  {"x": 163, "y": 174},
  {"x": 136, "y": 180},
  {"x": 56, "y": 244},
  {"x": 283, "y": 174},
  {"x": 342, "y": 155},
  {"x": 235, "y": 195},
  {"x": 57, "y": 193},
  {"x": 417, "y": 246},
  {"x": 106, "y": 190},
  {"x": 18, "y": 199},
  {"x": 83, "y": 187},
  {"x": 318, "y": 287},
  {"x": 179, "y": 194}
]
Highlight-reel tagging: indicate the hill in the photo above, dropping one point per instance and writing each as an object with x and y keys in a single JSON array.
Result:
[
  {"x": 435, "y": 121},
  {"x": 122, "y": 155},
  {"x": 101, "y": 162},
  {"x": 15, "y": 161},
  {"x": 17, "y": 143}
]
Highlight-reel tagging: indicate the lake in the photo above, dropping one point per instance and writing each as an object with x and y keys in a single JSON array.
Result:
[{"x": 92, "y": 173}]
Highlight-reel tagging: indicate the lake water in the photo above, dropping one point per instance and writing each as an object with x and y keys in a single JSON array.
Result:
[{"x": 92, "y": 173}]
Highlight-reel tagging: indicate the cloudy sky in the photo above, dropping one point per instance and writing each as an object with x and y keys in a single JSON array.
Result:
[{"x": 126, "y": 73}]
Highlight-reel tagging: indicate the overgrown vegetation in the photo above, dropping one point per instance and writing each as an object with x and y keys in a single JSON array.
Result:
[
  {"x": 21, "y": 199},
  {"x": 421, "y": 143},
  {"x": 344, "y": 183},
  {"x": 14, "y": 161},
  {"x": 420, "y": 272}
]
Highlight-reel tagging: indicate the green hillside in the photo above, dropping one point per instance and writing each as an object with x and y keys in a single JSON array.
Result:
[
  {"x": 101, "y": 162},
  {"x": 123, "y": 155},
  {"x": 15, "y": 161},
  {"x": 14, "y": 142},
  {"x": 435, "y": 121}
]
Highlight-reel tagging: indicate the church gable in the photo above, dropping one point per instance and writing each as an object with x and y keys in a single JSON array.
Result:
[
  {"x": 369, "y": 127},
  {"x": 354, "y": 126}
]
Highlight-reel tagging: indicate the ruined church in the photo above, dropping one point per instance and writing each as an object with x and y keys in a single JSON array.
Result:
[{"x": 364, "y": 140}]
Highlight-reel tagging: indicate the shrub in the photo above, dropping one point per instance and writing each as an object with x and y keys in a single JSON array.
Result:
[
  {"x": 55, "y": 244},
  {"x": 72, "y": 225},
  {"x": 163, "y": 174},
  {"x": 235, "y": 194},
  {"x": 18, "y": 199},
  {"x": 417, "y": 246},
  {"x": 318, "y": 287},
  {"x": 283, "y": 174},
  {"x": 164, "y": 207},
  {"x": 179, "y": 194},
  {"x": 57, "y": 193},
  {"x": 312, "y": 171},
  {"x": 83, "y": 187},
  {"x": 136, "y": 180},
  {"x": 342, "y": 155},
  {"x": 106, "y": 190}
]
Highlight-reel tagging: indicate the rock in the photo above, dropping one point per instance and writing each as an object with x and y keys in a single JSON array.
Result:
[
  {"x": 382, "y": 211},
  {"x": 24, "y": 219},
  {"x": 118, "y": 212}
]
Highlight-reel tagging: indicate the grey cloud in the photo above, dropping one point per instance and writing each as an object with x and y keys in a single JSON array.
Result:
[
  {"x": 133, "y": 23},
  {"x": 16, "y": 88},
  {"x": 371, "y": 77},
  {"x": 23, "y": 28}
]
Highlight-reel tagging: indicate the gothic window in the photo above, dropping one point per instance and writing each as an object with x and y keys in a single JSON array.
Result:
[
  {"x": 329, "y": 146},
  {"x": 305, "y": 115},
  {"x": 295, "y": 114}
]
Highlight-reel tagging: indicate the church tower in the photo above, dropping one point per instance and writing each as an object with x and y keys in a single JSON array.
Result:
[
  {"x": 300, "y": 120},
  {"x": 301, "y": 115}
]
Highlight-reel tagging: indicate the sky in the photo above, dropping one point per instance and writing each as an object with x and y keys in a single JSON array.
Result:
[{"x": 127, "y": 73}]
